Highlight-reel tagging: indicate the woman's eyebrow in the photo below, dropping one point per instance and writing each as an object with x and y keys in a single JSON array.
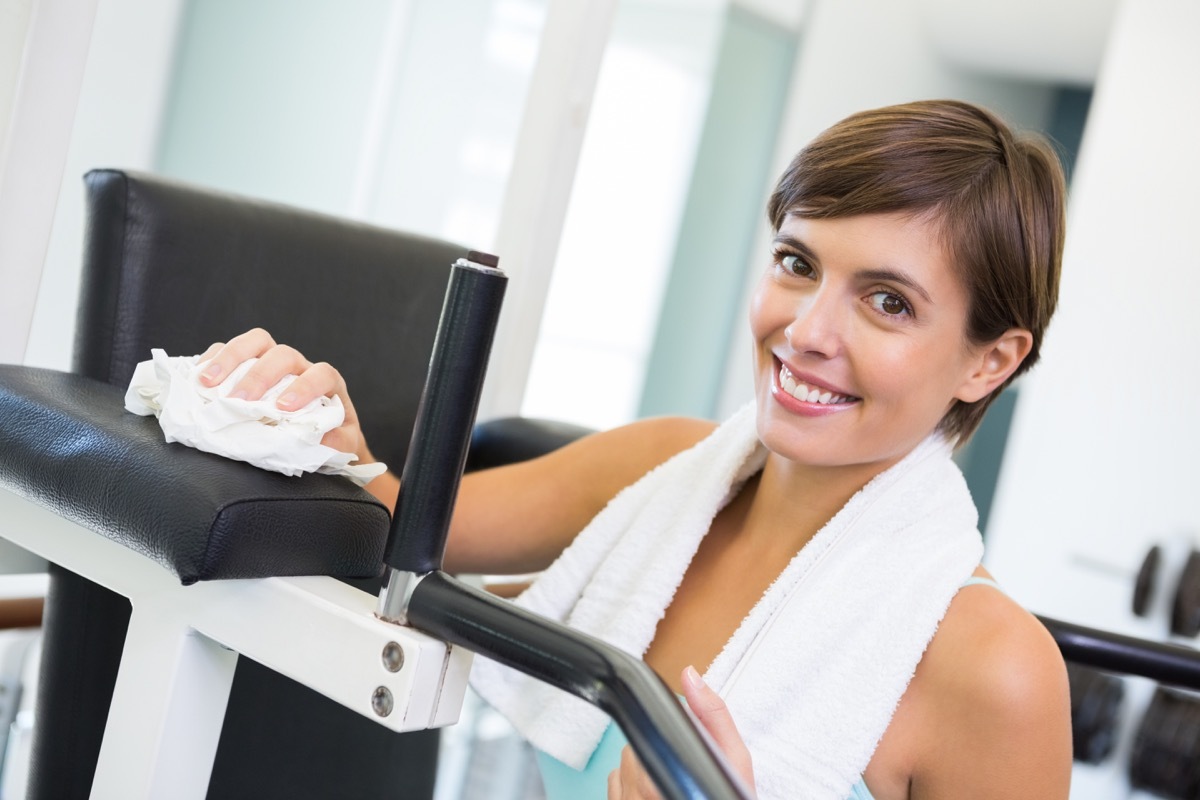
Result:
[
  {"x": 894, "y": 276},
  {"x": 796, "y": 244}
]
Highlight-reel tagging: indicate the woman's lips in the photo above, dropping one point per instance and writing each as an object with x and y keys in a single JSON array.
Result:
[{"x": 808, "y": 390}]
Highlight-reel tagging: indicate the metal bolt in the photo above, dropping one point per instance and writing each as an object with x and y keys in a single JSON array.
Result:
[
  {"x": 393, "y": 657},
  {"x": 381, "y": 701}
]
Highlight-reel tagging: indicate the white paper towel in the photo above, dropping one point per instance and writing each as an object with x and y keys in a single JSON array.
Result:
[{"x": 254, "y": 431}]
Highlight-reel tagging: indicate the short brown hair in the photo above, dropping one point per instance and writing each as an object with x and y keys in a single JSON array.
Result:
[{"x": 996, "y": 198}]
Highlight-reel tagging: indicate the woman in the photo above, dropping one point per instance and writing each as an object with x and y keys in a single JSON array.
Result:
[{"x": 816, "y": 555}]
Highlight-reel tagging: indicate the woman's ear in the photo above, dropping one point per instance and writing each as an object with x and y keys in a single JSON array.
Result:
[{"x": 994, "y": 362}]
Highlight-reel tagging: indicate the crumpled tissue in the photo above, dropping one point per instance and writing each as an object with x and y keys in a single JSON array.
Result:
[{"x": 255, "y": 431}]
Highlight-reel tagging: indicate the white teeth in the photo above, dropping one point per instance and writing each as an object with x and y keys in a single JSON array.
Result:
[
  {"x": 805, "y": 394},
  {"x": 787, "y": 381}
]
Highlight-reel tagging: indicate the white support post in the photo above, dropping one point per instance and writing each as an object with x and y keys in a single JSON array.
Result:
[
  {"x": 34, "y": 155},
  {"x": 539, "y": 185},
  {"x": 167, "y": 710}
]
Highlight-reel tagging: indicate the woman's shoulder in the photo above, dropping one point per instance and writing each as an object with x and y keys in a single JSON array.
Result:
[
  {"x": 993, "y": 699},
  {"x": 989, "y": 646}
]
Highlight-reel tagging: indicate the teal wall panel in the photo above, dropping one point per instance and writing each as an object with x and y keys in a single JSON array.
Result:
[{"x": 721, "y": 219}]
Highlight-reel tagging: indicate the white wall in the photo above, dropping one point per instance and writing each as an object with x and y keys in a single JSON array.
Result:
[
  {"x": 447, "y": 148},
  {"x": 1058, "y": 40},
  {"x": 14, "y": 22},
  {"x": 116, "y": 125},
  {"x": 621, "y": 224},
  {"x": 1102, "y": 451},
  {"x": 859, "y": 54},
  {"x": 272, "y": 98},
  {"x": 35, "y": 130},
  {"x": 1101, "y": 460}
]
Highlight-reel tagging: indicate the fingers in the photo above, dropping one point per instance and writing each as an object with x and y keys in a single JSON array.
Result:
[
  {"x": 630, "y": 781},
  {"x": 708, "y": 706},
  {"x": 212, "y": 350},
  {"x": 224, "y": 358},
  {"x": 270, "y": 368},
  {"x": 714, "y": 715},
  {"x": 275, "y": 361}
]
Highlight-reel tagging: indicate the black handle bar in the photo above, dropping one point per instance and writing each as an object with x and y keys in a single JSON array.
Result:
[{"x": 1166, "y": 663}]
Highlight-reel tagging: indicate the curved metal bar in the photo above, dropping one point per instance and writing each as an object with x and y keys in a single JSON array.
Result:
[
  {"x": 1113, "y": 652},
  {"x": 680, "y": 760}
]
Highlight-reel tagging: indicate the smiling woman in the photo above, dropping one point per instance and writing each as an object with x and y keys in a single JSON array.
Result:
[
  {"x": 872, "y": 296},
  {"x": 994, "y": 201},
  {"x": 807, "y": 575}
]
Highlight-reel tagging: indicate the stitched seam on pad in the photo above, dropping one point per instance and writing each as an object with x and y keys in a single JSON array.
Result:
[{"x": 121, "y": 272}]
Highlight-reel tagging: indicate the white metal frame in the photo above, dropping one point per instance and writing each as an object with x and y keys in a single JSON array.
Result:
[
  {"x": 539, "y": 185},
  {"x": 184, "y": 641}
]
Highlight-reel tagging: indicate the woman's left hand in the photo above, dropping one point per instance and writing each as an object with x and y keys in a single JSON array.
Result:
[{"x": 630, "y": 781}]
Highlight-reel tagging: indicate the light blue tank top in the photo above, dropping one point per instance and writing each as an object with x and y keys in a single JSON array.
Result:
[{"x": 591, "y": 783}]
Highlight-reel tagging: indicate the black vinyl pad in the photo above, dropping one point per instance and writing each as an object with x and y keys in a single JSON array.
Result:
[{"x": 67, "y": 443}]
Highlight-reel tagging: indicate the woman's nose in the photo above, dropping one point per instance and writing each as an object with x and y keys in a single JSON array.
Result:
[{"x": 817, "y": 327}]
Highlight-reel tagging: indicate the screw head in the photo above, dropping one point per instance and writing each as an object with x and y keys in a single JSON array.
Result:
[
  {"x": 381, "y": 701},
  {"x": 393, "y": 657}
]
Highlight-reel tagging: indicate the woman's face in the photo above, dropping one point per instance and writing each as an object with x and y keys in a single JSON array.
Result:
[{"x": 860, "y": 345}]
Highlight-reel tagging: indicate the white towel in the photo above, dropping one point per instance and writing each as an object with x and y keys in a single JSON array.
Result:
[
  {"x": 815, "y": 671},
  {"x": 255, "y": 431}
]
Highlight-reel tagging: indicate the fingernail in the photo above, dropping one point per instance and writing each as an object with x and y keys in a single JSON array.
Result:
[
  {"x": 288, "y": 399},
  {"x": 212, "y": 371},
  {"x": 692, "y": 677}
]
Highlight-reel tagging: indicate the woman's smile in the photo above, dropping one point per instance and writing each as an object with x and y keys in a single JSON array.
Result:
[{"x": 802, "y": 392}]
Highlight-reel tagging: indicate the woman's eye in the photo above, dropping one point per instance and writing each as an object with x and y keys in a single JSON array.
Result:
[
  {"x": 796, "y": 265},
  {"x": 892, "y": 305}
]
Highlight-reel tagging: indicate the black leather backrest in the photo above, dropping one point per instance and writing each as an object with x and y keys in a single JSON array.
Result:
[{"x": 177, "y": 267}]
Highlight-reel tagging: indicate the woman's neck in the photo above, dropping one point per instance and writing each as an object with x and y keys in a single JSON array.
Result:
[{"x": 804, "y": 496}]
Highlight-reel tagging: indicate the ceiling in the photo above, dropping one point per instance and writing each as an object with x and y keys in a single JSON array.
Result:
[{"x": 1059, "y": 41}]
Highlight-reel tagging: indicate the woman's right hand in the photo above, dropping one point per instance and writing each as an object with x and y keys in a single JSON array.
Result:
[{"x": 275, "y": 361}]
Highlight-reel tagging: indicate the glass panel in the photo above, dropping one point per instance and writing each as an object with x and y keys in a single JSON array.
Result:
[
  {"x": 403, "y": 114},
  {"x": 455, "y": 115},
  {"x": 619, "y": 238}
]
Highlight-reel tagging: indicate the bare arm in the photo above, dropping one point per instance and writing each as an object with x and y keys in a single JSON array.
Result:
[
  {"x": 518, "y": 518},
  {"x": 508, "y": 520}
]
